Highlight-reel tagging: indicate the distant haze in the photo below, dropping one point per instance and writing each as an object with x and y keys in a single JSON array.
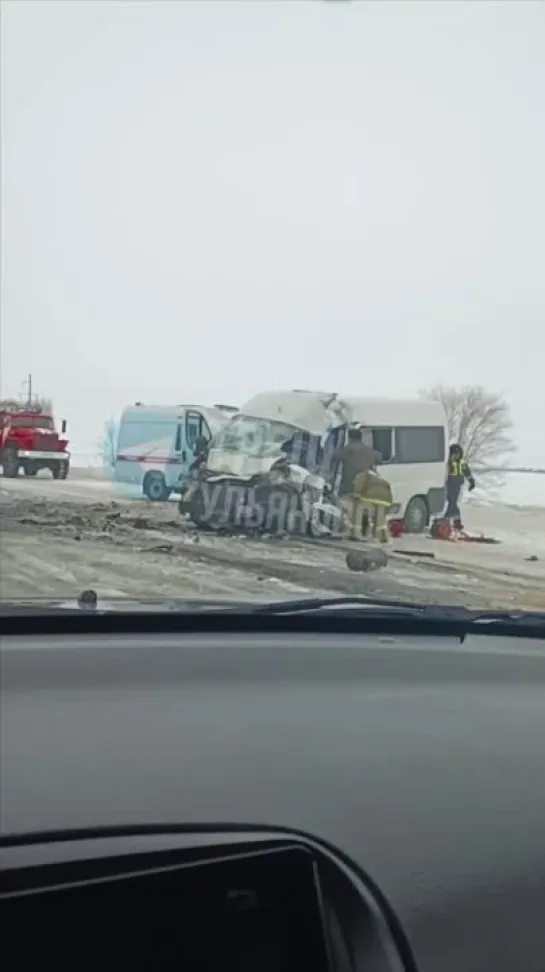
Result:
[{"x": 202, "y": 199}]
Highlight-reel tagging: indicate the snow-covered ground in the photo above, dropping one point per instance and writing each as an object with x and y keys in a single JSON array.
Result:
[
  {"x": 520, "y": 489},
  {"x": 513, "y": 514}
]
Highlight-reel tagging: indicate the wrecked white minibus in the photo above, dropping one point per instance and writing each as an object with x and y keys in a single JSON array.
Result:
[
  {"x": 270, "y": 467},
  {"x": 411, "y": 436},
  {"x": 266, "y": 470}
]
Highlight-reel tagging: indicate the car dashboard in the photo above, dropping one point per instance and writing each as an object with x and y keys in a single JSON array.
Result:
[
  {"x": 265, "y": 800},
  {"x": 194, "y": 900}
]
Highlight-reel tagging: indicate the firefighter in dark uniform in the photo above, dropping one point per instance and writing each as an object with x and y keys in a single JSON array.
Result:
[
  {"x": 458, "y": 472},
  {"x": 200, "y": 452}
]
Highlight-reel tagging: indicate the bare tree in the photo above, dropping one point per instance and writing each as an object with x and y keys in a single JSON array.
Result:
[
  {"x": 108, "y": 445},
  {"x": 46, "y": 404},
  {"x": 38, "y": 401},
  {"x": 481, "y": 422}
]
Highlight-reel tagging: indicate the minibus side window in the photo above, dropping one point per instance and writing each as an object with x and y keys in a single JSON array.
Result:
[
  {"x": 383, "y": 443},
  {"x": 420, "y": 444}
]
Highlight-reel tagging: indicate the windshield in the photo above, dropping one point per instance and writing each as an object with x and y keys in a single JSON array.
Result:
[
  {"x": 31, "y": 422},
  {"x": 310, "y": 210},
  {"x": 257, "y": 438},
  {"x": 144, "y": 433}
]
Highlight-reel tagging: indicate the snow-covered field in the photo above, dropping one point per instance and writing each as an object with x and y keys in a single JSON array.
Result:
[{"x": 520, "y": 489}]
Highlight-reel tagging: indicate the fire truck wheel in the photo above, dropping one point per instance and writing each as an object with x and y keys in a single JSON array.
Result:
[
  {"x": 10, "y": 463},
  {"x": 155, "y": 487},
  {"x": 60, "y": 471}
]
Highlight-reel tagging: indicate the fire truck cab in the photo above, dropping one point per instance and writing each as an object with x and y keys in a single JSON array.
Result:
[{"x": 29, "y": 441}]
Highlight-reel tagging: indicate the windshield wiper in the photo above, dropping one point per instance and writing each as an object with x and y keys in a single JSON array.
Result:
[
  {"x": 507, "y": 617},
  {"x": 349, "y": 606},
  {"x": 385, "y": 607},
  {"x": 370, "y": 605}
]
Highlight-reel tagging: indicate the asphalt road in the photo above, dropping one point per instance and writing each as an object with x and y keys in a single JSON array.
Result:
[{"x": 61, "y": 537}]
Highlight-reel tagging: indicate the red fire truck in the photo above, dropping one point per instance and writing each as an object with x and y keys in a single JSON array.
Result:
[{"x": 29, "y": 441}]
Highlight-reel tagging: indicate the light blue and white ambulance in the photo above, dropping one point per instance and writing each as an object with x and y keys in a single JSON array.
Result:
[{"x": 157, "y": 444}]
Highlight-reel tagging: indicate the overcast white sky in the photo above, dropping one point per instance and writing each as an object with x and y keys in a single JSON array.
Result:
[{"x": 202, "y": 199}]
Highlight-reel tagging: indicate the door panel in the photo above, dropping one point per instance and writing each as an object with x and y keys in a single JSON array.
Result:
[
  {"x": 193, "y": 428},
  {"x": 178, "y": 439}
]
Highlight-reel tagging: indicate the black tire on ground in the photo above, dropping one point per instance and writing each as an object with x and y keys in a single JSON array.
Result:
[
  {"x": 60, "y": 470},
  {"x": 417, "y": 515},
  {"x": 367, "y": 559},
  {"x": 155, "y": 487},
  {"x": 10, "y": 463}
]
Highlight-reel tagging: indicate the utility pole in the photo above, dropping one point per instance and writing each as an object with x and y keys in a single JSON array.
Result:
[{"x": 29, "y": 386}]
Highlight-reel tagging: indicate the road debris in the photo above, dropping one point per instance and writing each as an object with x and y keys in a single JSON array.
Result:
[
  {"x": 442, "y": 529},
  {"x": 65, "y": 546},
  {"x": 415, "y": 553},
  {"x": 363, "y": 560},
  {"x": 88, "y": 599}
]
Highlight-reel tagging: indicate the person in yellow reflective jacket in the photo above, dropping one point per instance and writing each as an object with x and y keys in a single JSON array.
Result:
[{"x": 458, "y": 472}]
